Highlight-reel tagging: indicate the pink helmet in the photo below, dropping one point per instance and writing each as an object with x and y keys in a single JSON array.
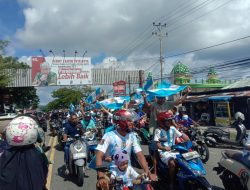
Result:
[
  {"x": 120, "y": 156},
  {"x": 21, "y": 131}
]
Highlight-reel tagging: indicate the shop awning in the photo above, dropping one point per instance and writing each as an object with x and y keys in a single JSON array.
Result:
[{"x": 220, "y": 98}]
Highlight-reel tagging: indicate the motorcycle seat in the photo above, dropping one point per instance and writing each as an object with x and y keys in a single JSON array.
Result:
[
  {"x": 218, "y": 130},
  {"x": 240, "y": 156}
]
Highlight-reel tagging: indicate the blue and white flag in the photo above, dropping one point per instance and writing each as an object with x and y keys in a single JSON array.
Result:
[
  {"x": 166, "y": 90},
  {"x": 93, "y": 96},
  {"x": 115, "y": 103},
  {"x": 149, "y": 83}
]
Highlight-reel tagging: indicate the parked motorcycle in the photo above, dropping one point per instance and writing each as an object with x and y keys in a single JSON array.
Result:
[
  {"x": 77, "y": 158},
  {"x": 199, "y": 144},
  {"x": 191, "y": 173},
  {"x": 217, "y": 136},
  {"x": 234, "y": 169}
]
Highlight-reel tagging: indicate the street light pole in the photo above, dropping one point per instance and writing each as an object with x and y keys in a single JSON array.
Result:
[{"x": 160, "y": 34}]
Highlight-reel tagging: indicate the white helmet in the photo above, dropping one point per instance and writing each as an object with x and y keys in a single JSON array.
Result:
[
  {"x": 239, "y": 115},
  {"x": 21, "y": 131}
]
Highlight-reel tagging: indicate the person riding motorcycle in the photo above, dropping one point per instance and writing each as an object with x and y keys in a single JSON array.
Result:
[
  {"x": 22, "y": 165},
  {"x": 123, "y": 139},
  {"x": 87, "y": 122},
  {"x": 71, "y": 129},
  {"x": 170, "y": 133}
]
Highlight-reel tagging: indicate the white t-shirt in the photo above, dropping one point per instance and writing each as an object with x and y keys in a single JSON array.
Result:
[
  {"x": 170, "y": 135},
  {"x": 112, "y": 141},
  {"x": 127, "y": 176}
]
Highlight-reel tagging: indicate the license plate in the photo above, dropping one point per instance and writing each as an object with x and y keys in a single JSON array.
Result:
[
  {"x": 92, "y": 143},
  {"x": 79, "y": 155},
  {"x": 191, "y": 155}
]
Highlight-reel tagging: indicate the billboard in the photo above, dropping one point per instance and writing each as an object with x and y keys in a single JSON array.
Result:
[
  {"x": 119, "y": 88},
  {"x": 49, "y": 71}
]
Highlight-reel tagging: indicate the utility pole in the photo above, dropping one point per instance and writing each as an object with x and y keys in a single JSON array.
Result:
[{"x": 160, "y": 34}]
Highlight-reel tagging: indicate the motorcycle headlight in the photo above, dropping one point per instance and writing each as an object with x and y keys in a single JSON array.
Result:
[{"x": 78, "y": 146}]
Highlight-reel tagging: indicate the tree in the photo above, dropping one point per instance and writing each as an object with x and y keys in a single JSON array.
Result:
[
  {"x": 65, "y": 96},
  {"x": 22, "y": 97}
]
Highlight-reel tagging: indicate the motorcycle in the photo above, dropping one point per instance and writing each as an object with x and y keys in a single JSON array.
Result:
[
  {"x": 234, "y": 169},
  {"x": 100, "y": 128},
  {"x": 54, "y": 127},
  {"x": 216, "y": 136},
  {"x": 118, "y": 183},
  {"x": 77, "y": 158},
  {"x": 199, "y": 144},
  {"x": 91, "y": 143},
  {"x": 60, "y": 133},
  {"x": 191, "y": 173}
]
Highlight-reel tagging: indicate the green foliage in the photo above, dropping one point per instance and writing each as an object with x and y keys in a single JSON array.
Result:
[
  {"x": 8, "y": 65},
  {"x": 22, "y": 97},
  {"x": 65, "y": 96}
]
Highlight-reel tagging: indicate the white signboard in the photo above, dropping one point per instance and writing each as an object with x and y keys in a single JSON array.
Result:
[{"x": 50, "y": 71}]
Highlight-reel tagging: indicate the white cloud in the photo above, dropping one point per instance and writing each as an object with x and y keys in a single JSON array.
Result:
[{"x": 122, "y": 28}]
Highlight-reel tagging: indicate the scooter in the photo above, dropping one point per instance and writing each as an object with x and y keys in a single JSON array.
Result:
[
  {"x": 216, "y": 136},
  {"x": 91, "y": 143},
  {"x": 234, "y": 169},
  {"x": 77, "y": 158},
  {"x": 191, "y": 173}
]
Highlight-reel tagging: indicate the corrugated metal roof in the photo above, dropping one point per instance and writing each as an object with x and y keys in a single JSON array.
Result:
[{"x": 239, "y": 84}]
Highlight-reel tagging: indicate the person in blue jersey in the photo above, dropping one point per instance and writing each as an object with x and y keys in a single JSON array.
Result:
[
  {"x": 170, "y": 133},
  {"x": 121, "y": 138},
  {"x": 87, "y": 122}
]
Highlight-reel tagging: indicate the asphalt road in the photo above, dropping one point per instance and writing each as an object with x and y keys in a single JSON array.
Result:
[
  {"x": 58, "y": 180},
  {"x": 61, "y": 181}
]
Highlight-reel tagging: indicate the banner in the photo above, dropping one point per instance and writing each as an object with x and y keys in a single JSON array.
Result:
[{"x": 48, "y": 71}]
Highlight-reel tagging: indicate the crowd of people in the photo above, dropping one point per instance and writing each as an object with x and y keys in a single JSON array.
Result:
[{"x": 24, "y": 166}]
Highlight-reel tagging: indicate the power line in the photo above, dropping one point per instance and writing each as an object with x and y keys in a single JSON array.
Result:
[
  {"x": 208, "y": 47},
  {"x": 199, "y": 17}
]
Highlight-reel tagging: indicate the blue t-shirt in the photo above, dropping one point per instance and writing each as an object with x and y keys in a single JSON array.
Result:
[{"x": 71, "y": 130}]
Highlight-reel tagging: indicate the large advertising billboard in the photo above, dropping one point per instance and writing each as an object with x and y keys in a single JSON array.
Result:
[{"x": 50, "y": 71}]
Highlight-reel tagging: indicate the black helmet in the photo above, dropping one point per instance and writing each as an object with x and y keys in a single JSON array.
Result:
[{"x": 182, "y": 109}]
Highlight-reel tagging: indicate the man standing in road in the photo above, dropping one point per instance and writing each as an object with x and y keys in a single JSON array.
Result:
[{"x": 161, "y": 105}]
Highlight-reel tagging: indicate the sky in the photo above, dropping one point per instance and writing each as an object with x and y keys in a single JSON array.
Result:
[{"x": 199, "y": 33}]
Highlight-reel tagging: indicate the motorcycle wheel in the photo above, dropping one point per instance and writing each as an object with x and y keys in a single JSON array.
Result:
[
  {"x": 80, "y": 175},
  {"x": 230, "y": 181},
  {"x": 203, "y": 150}
]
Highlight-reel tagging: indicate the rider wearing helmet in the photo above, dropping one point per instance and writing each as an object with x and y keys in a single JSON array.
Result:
[
  {"x": 22, "y": 166},
  {"x": 123, "y": 139},
  {"x": 170, "y": 133}
]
